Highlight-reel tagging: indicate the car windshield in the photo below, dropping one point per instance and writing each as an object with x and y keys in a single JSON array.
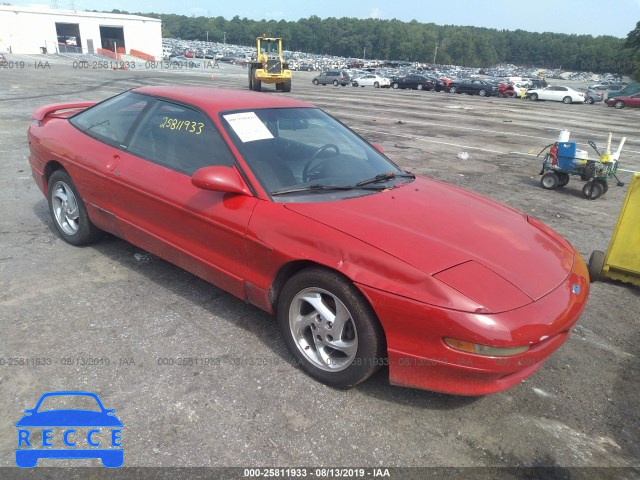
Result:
[
  {"x": 300, "y": 154},
  {"x": 69, "y": 402}
]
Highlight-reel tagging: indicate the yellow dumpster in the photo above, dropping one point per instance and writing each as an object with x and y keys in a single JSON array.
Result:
[{"x": 622, "y": 260}]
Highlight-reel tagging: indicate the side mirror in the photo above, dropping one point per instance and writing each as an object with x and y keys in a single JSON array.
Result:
[
  {"x": 219, "y": 179},
  {"x": 378, "y": 147}
]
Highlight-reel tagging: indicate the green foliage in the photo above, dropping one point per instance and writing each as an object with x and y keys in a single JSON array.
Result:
[
  {"x": 633, "y": 47},
  {"x": 415, "y": 41}
]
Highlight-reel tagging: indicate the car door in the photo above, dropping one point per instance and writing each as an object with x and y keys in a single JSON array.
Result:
[
  {"x": 160, "y": 210},
  {"x": 634, "y": 100},
  {"x": 547, "y": 93}
]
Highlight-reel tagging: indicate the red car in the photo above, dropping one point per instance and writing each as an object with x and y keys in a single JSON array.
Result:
[
  {"x": 282, "y": 205},
  {"x": 621, "y": 102}
]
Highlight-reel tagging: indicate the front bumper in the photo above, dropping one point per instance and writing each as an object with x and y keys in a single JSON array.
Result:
[{"x": 419, "y": 358}]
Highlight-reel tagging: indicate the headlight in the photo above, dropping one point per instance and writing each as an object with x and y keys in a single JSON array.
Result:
[{"x": 484, "y": 349}]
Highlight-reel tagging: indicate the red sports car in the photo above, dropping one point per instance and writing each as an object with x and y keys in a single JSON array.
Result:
[{"x": 282, "y": 205}]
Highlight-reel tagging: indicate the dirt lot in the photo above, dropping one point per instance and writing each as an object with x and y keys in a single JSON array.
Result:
[{"x": 581, "y": 409}]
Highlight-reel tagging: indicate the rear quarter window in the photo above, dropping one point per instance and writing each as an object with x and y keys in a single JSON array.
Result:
[{"x": 111, "y": 120}]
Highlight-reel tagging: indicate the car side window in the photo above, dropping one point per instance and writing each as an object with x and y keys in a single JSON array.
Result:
[
  {"x": 179, "y": 138},
  {"x": 111, "y": 120}
]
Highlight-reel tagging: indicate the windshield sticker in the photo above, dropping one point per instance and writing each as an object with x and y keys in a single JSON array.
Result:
[
  {"x": 184, "y": 125},
  {"x": 248, "y": 126}
]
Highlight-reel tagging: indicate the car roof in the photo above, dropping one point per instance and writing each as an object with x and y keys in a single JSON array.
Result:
[{"x": 214, "y": 99}]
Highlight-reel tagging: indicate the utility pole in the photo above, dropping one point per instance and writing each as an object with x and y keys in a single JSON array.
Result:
[
  {"x": 224, "y": 36},
  {"x": 364, "y": 53},
  {"x": 435, "y": 54},
  {"x": 207, "y": 36}
]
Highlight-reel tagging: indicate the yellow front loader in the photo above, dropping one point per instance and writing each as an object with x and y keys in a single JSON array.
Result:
[{"x": 269, "y": 67}]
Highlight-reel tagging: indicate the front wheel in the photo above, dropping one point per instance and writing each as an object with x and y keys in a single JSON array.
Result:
[
  {"x": 330, "y": 328},
  {"x": 419, "y": 86},
  {"x": 566, "y": 100},
  {"x": 376, "y": 85},
  {"x": 549, "y": 181},
  {"x": 482, "y": 93},
  {"x": 453, "y": 90},
  {"x": 68, "y": 211},
  {"x": 619, "y": 104},
  {"x": 533, "y": 97},
  {"x": 564, "y": 179},
  {"x": 395, "y": 86},
  {"x": 590, "y": 100},
  {"x": 315, "y": 81},
  {"x": 335, "y": 83}
]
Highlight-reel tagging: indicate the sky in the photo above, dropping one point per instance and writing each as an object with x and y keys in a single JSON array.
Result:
[{"x": 591, "y": 17}]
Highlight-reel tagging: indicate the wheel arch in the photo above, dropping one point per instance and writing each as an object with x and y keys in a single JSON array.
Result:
[
  {"x": 51, "y": 166},
  {"x": 289, "y": 269}
]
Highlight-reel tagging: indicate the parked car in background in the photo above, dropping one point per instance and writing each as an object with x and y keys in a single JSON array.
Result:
[
  {"x": 414, "y": 82},
  {"x": 592, "y": 96},
  {"x": 557, "y": 93},
  {"x": 621, "y": 102},
  {"x": 473, "y": 87},
  {"x": 371, "y": 80},
  {"x": 626, "y": 91},
  {"x": 335, "y": 77}
]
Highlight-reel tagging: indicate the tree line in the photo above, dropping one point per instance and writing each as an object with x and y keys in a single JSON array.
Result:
[{"x": 414, "y": 41}]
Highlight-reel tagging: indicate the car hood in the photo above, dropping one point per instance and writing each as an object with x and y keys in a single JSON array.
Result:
[
  {"x": 69, "y": 418},
  {"x": 434, "y": 226}
]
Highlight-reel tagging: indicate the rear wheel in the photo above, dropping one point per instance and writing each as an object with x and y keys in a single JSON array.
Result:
[
  {"x": 335, "y": 83},
  {"x": 566, "y": 99},
  {"x": 592, "y": 189},
  {"x": 453, "y": 90},
  {"x": 315, "y": 81},
  {"x": 595, "y": 265},
  {"x": 590, "y": 100},
  {"x": 619, "y": 104},
  {"x": 68, "y": 211},
  {"x": 549, "y": 181},
  {"x": 394, "y": 85},
  {"x": 330, "y": 328},
  {"x": 257, "y": 85},
  {"x": 376, "y": 85},
  {"x": 286, "y": 86},
  {"x": 482, "y": 93},
  {"x": 564, "y": 178},
  {"x": 419, "y": 86},
  {"x": 533, "y": 97}
]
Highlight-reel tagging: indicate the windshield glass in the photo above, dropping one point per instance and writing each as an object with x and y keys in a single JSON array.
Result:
[{"x": 297, "y": 153}]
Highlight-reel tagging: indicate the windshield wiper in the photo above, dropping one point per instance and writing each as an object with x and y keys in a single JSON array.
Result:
[
  {"x": 316, "y": 187},
  {"x": 384, "y": 176}
]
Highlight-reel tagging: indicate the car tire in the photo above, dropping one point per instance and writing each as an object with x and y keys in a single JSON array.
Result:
[
  {"x": 592, "y": 190},
  {"x": 549, "y": 181},
  {"x": 564, "y": 178},
  {"x": 315, "y": 81},
  {"x": 419, "y": 86},
  {"x": 376, "y": 85},
  {"x": 590, "y": 100},
  {"x": 286, "y": 86},
  {"x": 619, "y": 104},
  {"x": 68, "y": 211},
  {"x": 335, "y": 83},
  {"x": 567, "y": 100},
  {"x": 533, "y": 97},
  {"x": 355, "y": 84},
  {"x": 395, "y": 86},
  {"x": 453, "y": 90},
  {"x": 595, "y": 265},
  {"x": 257, "y": 85},
  {"x": 307, "y": 318},
  {"x": 482, "y": 93}
]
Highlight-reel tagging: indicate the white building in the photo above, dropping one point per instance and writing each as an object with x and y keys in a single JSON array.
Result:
[{"x": 25, "y": 30}]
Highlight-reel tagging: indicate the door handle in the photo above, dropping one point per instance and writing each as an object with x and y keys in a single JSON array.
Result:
[{"x": 113, "y": 162}]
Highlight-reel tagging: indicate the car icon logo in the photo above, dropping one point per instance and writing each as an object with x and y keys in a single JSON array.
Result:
[{"x": 69, "y": 433}]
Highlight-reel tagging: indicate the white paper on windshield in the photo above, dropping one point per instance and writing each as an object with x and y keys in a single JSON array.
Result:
[{"x": 248, "y": 126}]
